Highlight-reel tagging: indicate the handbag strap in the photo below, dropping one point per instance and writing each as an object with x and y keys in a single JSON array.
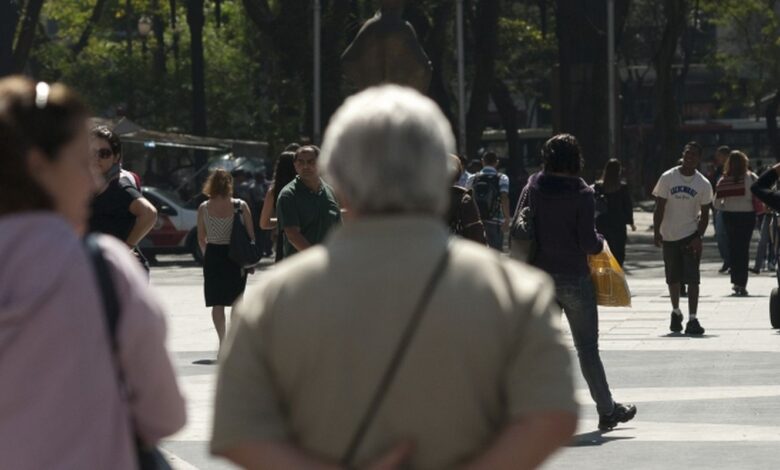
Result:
[
  {"x": 107, "y": 291},
  {"x": 397, "y": 359}
]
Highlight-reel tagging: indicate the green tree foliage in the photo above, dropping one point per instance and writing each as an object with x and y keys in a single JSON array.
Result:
[
  {"x": 117, "y": 76},
  {"x": 750, "y": 56}
]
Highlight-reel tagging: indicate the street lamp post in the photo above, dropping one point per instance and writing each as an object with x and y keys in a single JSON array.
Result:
[
  {"x": 317, "y": 105},
  {"x": 144, "y": 28},
  {"x": 461, "y": 82}
]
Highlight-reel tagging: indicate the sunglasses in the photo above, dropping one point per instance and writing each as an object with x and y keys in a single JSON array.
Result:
[{"x": 104, "y": 154}]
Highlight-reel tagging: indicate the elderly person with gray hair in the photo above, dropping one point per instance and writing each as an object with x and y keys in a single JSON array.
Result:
[{"x": 391, "y": 344}]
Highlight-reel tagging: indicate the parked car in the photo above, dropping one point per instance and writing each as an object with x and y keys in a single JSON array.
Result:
[{"x": 176, "y": 230}]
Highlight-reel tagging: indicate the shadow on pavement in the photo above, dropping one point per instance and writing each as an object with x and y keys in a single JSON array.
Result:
[
  {"x": 205, "y": 362},
  {"x": 595, "y": 438},
  {"x": 684, "y": 336}
]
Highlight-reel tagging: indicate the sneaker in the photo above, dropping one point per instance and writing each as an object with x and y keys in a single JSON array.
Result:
[
  {"x": 740, "y": 291},
  {"x": 693, "y": 328},
  {"x": 676, "y": 323},
  {"x": 621, "y": 414}
]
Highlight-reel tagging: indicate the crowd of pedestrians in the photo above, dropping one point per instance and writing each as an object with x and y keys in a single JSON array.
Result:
[{"x": 380, "y": 340}]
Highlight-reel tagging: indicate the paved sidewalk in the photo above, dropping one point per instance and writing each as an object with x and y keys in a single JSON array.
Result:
[{"x": 711, "y": 402}]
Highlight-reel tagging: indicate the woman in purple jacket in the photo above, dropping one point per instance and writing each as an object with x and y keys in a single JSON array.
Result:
[{"x": 564, "y": 209}]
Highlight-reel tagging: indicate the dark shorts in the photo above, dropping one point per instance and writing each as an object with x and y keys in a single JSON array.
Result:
[{"x": 680, "y": 263}]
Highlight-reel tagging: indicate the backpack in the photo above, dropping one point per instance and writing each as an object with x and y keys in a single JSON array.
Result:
[{"x": 487, "y": 195}]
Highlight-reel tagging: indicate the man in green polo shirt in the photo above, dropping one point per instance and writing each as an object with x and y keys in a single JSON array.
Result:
[{"x": 307, "y": 208}]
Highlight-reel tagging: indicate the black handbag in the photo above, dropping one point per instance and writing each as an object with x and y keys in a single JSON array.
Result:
[
  {"x": 348, "y": 458},
  {"x": 149, "y": 457},
  {"x": 242, "y": 249},
  {"x": 523, "y": 242}
]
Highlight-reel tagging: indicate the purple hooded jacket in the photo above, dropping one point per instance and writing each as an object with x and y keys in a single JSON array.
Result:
[{"x": 565, "y": 223}]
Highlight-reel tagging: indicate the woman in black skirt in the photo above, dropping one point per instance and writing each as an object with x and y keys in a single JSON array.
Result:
[{"x": 224, "y": 279}]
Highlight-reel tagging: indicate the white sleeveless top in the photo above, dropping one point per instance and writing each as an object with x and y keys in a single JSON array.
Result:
[{"x": 218, "y": 229}]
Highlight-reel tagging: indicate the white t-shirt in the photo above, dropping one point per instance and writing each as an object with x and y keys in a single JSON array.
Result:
[{"x": 684, "y": 197}]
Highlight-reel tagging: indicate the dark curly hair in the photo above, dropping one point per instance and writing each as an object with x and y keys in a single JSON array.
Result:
[
  {"x": 562, "y": 154},
  {"x": 103, "y": 132}
]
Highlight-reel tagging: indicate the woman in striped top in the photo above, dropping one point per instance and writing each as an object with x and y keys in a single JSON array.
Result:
[
  {"x": 224, "y": 280},
  {"x": 733, "y": 197}
]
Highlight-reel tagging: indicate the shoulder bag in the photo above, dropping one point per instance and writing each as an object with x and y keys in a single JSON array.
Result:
[
  {"x": 242, "y": 249},
  {"x": 149, "y": 457},
  {"x": 392, "y": 369},
  {"x": 522, "y": 231}
]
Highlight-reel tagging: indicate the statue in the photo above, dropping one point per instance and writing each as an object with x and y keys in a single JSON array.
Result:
[{"x": 386, "y": 50}]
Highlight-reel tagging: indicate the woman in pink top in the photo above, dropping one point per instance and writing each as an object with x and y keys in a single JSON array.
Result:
[{"x": 61, "y": 405}]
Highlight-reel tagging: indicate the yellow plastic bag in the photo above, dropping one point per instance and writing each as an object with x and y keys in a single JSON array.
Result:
[{"x": 609, "y": 280}]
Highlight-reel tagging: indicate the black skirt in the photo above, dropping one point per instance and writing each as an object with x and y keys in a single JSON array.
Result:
[{"x": 224, "y": 280}]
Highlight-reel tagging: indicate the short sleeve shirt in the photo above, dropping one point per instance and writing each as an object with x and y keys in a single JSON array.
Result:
[
  {"x": 314, "y": 212},
  {"x": 111, "y": 210},
  {"x": 685, "y": 195}
]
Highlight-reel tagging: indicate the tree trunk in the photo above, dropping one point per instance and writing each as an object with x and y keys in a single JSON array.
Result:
[
  {"x": 437, "y": 46},
  {"x": 485, "y": 49},
  {"x": 9, "y": 19},
  {"x": 581, "y": 87},
  {"x": 667, "y": 120},
  {"x": 507, "y": 110},
  {"x": 771, "y": 125},
  {"x": 26, "y": 38},
  {"x": 94, "y": 18},
  {"x": 158, "y": 28}
]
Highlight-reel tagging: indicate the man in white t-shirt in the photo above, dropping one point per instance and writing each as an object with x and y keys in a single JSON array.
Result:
[{"x": 683, "y": 197}]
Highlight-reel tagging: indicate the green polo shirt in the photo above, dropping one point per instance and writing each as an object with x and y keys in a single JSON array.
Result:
[{"x": 314, "y": 212}]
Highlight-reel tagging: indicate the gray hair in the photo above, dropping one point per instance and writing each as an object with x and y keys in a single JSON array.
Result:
[{"x": 386, "y": 151}]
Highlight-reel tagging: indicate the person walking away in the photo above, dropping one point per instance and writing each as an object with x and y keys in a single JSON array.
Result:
[
  {"x": 487, "y": 325},
  {"x": 734, "y": 199},
  {"x": 224, "y": 279},
  {"x": 62, "y": 403},
  {"x": 284, "y": 173},
  {"x": 463, "y": 215},
  {"x": 307, "y": 207},
  {"x": 721, "y": 235},
  {"x": 614, "y": 208},
  {"x": 118, "y": 209},
  {"x": 564, "y": 209},
  {"x": 683, "y": 196},
  {"x": 491, "y": 193}
]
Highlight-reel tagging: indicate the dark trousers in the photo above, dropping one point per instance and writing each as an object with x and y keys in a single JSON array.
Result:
[
  {"x": 616, "y": 237},
  {"x": 739, "y": 227}
]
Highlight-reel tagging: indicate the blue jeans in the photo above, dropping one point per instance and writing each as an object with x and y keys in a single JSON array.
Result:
[
  {"x": 722, "y": 238},
  {"x": 494, "y": 235},
  {"x": 577, "y": 297}
]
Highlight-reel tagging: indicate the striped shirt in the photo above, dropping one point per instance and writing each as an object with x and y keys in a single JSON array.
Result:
[{"x": 218, "y": 229}]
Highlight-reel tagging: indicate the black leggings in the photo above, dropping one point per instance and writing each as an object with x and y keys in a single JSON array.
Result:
[{"x": 739, "y": 227}]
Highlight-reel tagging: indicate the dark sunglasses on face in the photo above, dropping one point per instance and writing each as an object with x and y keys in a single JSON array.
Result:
[{"x": 104, "y": 154}]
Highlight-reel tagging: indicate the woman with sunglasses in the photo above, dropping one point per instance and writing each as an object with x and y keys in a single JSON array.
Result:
[
  {"x": 119, "y": 209},
  {"x": 62, "y": 404}
]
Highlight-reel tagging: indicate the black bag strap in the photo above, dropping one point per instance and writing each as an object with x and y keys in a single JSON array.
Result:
[
  {"x": 397, "y": 359},
  {"x": 107, "y": 290}
]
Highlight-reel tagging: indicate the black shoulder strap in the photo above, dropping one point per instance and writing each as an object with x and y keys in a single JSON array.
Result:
[
  {"x": 395, "y": 362},
  {"x": 106, "y": 285}
]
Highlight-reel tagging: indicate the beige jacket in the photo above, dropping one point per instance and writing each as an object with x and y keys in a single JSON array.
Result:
[{"x": 309, "y": 346}]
